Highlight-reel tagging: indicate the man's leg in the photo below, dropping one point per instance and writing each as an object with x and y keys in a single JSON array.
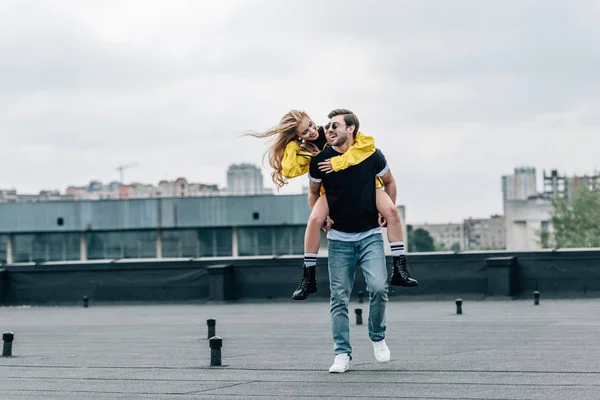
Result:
[
  {"x": 372, "y": 261},
  {"x": 342, "y": 260}
]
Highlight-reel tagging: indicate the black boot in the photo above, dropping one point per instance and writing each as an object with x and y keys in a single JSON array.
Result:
[
  {"x": 400, "y": 275},
  {"x": 308, "y": 284}
]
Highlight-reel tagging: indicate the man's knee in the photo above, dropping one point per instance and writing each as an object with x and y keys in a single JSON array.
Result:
[
  {"x": 339, "y": 299},
  {"x": 379, "y": 289}
]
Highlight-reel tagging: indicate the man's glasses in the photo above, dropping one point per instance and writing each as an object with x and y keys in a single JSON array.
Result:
[{"x": 334, "y": 126}]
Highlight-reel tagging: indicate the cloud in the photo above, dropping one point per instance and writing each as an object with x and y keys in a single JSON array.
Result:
[{"x": 456, "y": 94}]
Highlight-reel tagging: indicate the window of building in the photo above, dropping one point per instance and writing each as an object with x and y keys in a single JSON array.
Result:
[
  {"x": 255, "y": 241},
  {"x": 3, "y": 249},
  {"x": 209, "y": 242},
  {"x": 262, "y": 241},
  {"x": 121, "y": 244},
  {"x": 43, "y": 247},
  {"x": 289, "y": 240}
]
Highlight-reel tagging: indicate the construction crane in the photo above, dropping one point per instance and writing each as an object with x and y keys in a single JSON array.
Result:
[{"x": 122, "y": 168}]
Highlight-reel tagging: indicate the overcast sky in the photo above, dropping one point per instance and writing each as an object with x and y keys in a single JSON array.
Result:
[{"x": 455, "y": 93}]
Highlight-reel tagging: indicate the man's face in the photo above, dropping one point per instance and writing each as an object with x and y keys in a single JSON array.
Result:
[{"x": 337, "y": 131}]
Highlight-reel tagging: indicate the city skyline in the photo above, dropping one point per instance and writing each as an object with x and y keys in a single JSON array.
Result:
[
  {"x": 521, "y": 185},
  {"x": 455, "y": 94}
]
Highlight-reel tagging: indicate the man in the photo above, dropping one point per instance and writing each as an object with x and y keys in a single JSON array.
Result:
[{"x": 355, "y": 236}]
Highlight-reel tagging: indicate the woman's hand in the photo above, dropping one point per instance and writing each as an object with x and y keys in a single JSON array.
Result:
[{"x": 325, "y": 166}]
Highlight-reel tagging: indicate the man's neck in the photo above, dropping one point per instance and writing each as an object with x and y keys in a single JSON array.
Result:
[{"x": 344, "y": 147}]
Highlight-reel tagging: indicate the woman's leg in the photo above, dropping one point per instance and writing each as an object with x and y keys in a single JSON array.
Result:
[
  {"x": 312, "y": 235},
  {"x": 387, "y": 208},
  {"x": 312, "y": 242}
]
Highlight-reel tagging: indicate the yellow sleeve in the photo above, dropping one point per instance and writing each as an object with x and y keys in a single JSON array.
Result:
[
  {"x": 295, "y": 162},
  {"x": 362, "y": 149}
]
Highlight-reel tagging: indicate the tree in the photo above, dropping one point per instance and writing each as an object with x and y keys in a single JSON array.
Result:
[
  {"x": 419, "y": 240},
  {"x": 575, "y": 223},
  {"x": 455, "y": 247},
  {"x": 546, "y": 239}
]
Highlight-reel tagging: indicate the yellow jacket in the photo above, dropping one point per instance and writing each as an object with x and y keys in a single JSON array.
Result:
[{"x": 296, "y": 162}]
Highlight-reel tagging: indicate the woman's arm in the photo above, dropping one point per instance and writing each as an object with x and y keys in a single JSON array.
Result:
[
  {"x": 363, "y": 148},
  {"x": 295, "y": 162}
]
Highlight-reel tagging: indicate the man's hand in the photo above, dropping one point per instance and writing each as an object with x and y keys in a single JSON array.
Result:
[
  {"x": 382, "y": 221},
  {"x": 327, "y": 224},
  {"x": 325, "y": 166}
]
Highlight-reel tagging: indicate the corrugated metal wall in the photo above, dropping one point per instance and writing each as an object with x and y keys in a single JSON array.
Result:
[{"x": 196, "y": 212}]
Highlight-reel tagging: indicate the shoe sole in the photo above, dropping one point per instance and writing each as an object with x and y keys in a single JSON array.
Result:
[
  {"x": 305, "y": 297},
  {"x": 338, "y": 372},
  {"x": 400, "y": 284}
]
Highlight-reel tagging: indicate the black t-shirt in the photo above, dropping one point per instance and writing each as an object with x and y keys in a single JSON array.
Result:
[{"x": 351, "y": 192}]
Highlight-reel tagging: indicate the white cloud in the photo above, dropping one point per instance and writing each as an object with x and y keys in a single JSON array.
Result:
[{"x": 455, "y": 93}]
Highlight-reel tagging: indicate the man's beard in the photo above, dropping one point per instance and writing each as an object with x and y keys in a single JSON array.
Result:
[{"x": 340, "y": 140}]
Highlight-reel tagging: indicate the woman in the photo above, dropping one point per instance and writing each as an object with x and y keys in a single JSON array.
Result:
[{"x": 296, "y": 140}]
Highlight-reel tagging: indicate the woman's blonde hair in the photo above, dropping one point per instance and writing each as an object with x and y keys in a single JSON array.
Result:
[{"x": 282, "y": 134}]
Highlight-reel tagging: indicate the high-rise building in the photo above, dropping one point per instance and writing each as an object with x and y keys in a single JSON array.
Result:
[
  {"x": 471, "y": 234},
  {"x": 521, "y": 185},
  {"x": 525, "y": 220},
  {"x": 11, "y": 196},
  {"x": 180, "y": 187},
  {"x": 485, "y": 234},
  {"x": 525, "y": 210},
  {"x": 445, "y": 236},
  {"x": 556, "y": 185},
  {"x": 244, "y": 179}
]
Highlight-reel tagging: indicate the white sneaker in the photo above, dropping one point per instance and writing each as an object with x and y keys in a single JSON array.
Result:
[
  {"x": 382, "y": 353},
  {"x": 341, "y": 363}
]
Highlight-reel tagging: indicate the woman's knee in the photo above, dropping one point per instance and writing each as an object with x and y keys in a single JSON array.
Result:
[
  {"x": 390, "y": 212},
  {"x": 319, "y": 212},
  {"x": 316, "y": 219}
]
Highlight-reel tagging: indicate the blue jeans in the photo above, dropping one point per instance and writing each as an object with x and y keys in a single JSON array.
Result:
[{"x": 343, "y": 258}]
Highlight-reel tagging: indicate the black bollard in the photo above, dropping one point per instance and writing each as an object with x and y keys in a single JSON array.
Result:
[
  {"x": 361, "y": 297},
  {"x": 7, "y": 338},
  {"x": 215, "y": 344},
  {"x": 459, "y": 306},
  {"x": 211, "y": 327},
  {"x": 85, "y": 302},
  {"x": 358, "y": 312},
  {"x": 536, "y": 298}
]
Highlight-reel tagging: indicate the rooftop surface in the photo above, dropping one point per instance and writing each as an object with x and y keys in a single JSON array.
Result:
[{"x": 282, "y": 350}]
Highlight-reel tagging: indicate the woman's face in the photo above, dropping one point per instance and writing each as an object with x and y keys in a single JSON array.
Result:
[{"x": 307, "y": 130}]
